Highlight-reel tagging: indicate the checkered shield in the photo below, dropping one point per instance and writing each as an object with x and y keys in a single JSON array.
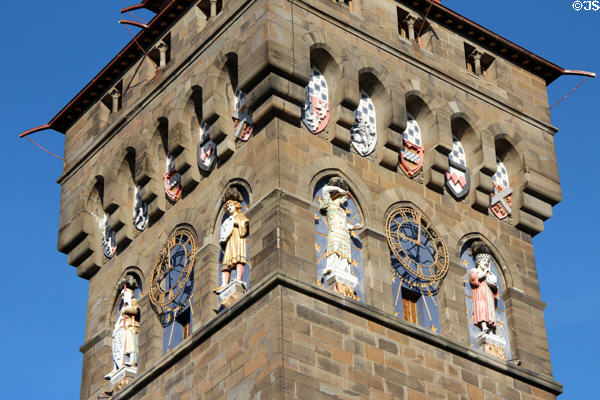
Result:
[
  {"x": 364, "y": 132},
  {"x": 315, "y": 113},
  {"x": 457, "y": 176},
  {"x": 242, "y": 119},
  {"x": 207, "y": 149},
  {"x": 411, "y": 155},
  {"x": 501, "y": 198}
]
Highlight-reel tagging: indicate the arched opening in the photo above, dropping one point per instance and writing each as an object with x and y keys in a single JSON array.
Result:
[
  {"x": 484, "y": 284},
  {"x": 338, "y": 248},
  {"x": 419, "y": 261}
]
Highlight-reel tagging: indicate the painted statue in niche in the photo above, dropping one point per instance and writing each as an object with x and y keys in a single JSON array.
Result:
[
  {"x": 484, "y": 286},
  {"x": 207, "y": 149},
  {"x": 501, "y": 198},
  {"x": 341, "y": 267},
  {"x": 140, "y": 210},
  {"x": 485, "y": 308},
  {"x": 233, "y": 237},
  {"x": 109, "y": 240},
  {"x": 242, "y": 118},
  {"x": 315, "y": 113},
  {"x": 125, "y": 352},
  {"x": 172, "y": 180},
  {"x": 457, "y": 177},
  {"x": 363, "y": 133},
  {"x": 411, "y": 155}
]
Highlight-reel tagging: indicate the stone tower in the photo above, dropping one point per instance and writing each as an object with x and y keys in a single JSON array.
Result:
[{"x": 376, "y": 168}]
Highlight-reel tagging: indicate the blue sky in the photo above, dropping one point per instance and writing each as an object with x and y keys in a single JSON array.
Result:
[{"x": 51, "y": 49}]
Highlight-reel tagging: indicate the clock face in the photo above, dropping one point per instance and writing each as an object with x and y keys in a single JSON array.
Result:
[
  {"x": 171, "y": 287},
  {"x": 418, "y": 248}
]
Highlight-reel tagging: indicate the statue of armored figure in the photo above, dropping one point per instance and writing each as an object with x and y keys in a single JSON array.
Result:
[
  {"x": 338, "y": 268},
  {"x": 484, "y": 285},
  {"x": 233, "y": 239},
  {"x": 125, "y": 336}
]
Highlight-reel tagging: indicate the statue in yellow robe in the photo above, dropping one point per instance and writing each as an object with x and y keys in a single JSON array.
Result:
[{"x": 233, "y": 238}]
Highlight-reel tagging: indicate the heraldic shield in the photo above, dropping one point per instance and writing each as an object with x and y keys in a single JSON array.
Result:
[
  {"x": 242, "y": 120},
  {"x": 315, "y": 113},
  {"x": 501, "y": 201},
  {"x": 363, "y": 133},
  {"x": 207, "y": 149},
  {"x": 501, "y": 198},
  {"x": 411, "y": 155},
  {"x": 458, "y": 180}
]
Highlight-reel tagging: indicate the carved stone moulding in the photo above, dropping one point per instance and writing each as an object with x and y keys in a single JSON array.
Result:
[
  {"x": 492, "y": 344},
  {"x": 231, "y": 293},
  {"x": 343, "y": 282}
]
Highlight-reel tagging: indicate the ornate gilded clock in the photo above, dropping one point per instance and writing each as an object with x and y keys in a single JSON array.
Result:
[
  {"x": 419, "y": 253},
  {"x": 171, "y": 283}
]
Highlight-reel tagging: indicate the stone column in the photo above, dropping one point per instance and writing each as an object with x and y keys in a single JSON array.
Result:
[
  {"x": 410, "y": 22},
  {"x": 115, "y": 94},
  {"x": 162, "y": 48},
  {"x": 476, "y": 56}
]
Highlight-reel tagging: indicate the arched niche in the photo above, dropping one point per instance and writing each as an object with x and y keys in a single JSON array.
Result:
[
  {"x": 244, "y": 189},
  {"x": 228, "y": 80},
  {"x": 507, "y": 153},
  {"x": 418, "y": 109},
  {"x": 177, "y": 316},
  {"x": 95, "y": 199},
  {"x": 322, "y": 59},
  {"x": 370, "y": 84},
  {"x": 320, "y": 95},
  {"x": 338, "y": 249},
  {"x": 465, "y": 133},
  {"x": 352, "y": 179},
  {"x": 133, "y": 278},
  {"x": 500, "y": 343},
  {"x": 416, "y": 276}
]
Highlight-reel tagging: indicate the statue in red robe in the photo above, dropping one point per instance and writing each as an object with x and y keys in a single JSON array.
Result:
[{"x": 485, "y": 288}]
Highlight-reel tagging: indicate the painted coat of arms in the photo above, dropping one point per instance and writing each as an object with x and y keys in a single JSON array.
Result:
[
  {"x": 501, "y": 198},
  {"x": 457, "y": 177},
  {"x": 140, "y": 210},
  {"x": 315, "y": 113},
  {"x": 364, "y": 132},
  {"x": 207, "y": 149},
  {"x": 172, "y": 180},
  {"x": 242, "y": 119},
  {"x": 411, "y": 155},
  {"x": 109, "y": 240}
]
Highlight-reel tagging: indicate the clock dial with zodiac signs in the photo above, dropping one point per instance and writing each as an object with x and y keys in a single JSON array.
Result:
[
  {"x": 418, "y": 249},
  {"x": 171, "y": 286}
]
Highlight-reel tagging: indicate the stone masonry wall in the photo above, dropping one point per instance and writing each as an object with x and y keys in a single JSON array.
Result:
[{"x": 329, "y": 345}]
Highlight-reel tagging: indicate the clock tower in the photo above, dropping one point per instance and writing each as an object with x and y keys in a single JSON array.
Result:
[{"x": 311, "y": 199}]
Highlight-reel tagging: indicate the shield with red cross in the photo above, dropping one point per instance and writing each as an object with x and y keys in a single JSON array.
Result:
[{"x": 501, "y": 198}]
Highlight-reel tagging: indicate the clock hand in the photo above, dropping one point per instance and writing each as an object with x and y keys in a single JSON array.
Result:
[{"x": 404, "y": 237}]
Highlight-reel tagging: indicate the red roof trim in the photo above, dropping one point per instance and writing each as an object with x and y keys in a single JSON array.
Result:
[
  {"x": 171, "y": 11},
  {"x": 61, "y": 122}
]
